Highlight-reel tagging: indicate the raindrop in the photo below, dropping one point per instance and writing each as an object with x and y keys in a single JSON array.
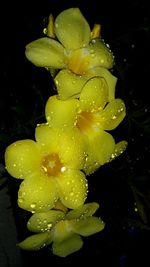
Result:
[
  {"x": 56, "y": 81},
  {"x": 114, "y": 117},
  {"x": 63, "y": 169},
  {"x": 49, "y": 225},
  {"x": 71, "y": 194},
  {"x": 32, "y": 205},
  {"x": 20, "y": 200},
  {"x": 93, "y": 41}
]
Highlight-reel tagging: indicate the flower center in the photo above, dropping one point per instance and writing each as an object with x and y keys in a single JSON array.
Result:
[
  {"x": 51, "y": 165},
  {"x": 85, "y": 121},
  {"x": 78, "y": 61}
]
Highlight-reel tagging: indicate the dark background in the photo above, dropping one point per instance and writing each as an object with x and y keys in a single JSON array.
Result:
[{"x": 122, "y": 187}]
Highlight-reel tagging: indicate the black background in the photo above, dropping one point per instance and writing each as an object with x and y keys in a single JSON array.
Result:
[{"x": 120, "y": 186}]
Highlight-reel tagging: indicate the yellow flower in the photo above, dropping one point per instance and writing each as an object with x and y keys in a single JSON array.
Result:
[
  {"x": 72, "y": 47},
  {"x": 51, "y": 168},
  {"x": 92, "y": 115},
  {"x": 64, "y": 231}
]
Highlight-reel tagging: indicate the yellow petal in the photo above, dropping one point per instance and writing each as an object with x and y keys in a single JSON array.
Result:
[
  {"x": 72, "y": 29},
  {"x": 61, "y": 113},
  {"x": 72, "y": 149},
  {"x": 73, "y": 189},
  {"x": 46, "y": 52},
  {"x": 120, "y": 147},
  {"x": 94, "y": 94},
  {"x": 84, "y": 211},
  {"x": 67, "y": 246},
  {"x": 100, "y": 149},
  {"x": 110, "y": 79},
  {"x": 89, "y": 226},
  {"x": 37, "y": 193},
  {"x": 47, "y": 138},
  {"x": 69, "y": 84},
  {"x": 112, "y": 115},
  {"x": 101, "y": 56},
  {"x": 22, "y": 158},
  {"x": 36, "y": 242},
  {"x": 62, "y": 230},
  {"x": 43, "y": 221},
  {"x": 68, "y": 143}
]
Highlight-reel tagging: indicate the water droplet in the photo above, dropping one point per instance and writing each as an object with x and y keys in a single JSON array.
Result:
[
  {"x": 20, "y": 200},
  {"x": 49, "y": 225},
  {"x": 93, "y": 41},
  {"x": 63, "y": 169},
  {"x": 71, "y": 194},
  {"x": 114, "y": 117},
  {"x": 33, "y": 205},
  {"x": 56, "y": 25},
  {"x": 56, "y": 82}
]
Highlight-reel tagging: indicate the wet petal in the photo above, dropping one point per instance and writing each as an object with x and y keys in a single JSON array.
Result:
[
  {"x": 110, "y": 79},
  {"x": 73, "y": 189},
  {"x": 101, "y": 147},
  {"x": 101, "y": 56},
  {"x": 89, "y": 226},
  {"x": 37, "y": 193},
  {"x": 43, "y": 221},
  {"x": 84, "y": 211},
  {"x": 112, "y": 115},
  {"x": 62, "y": 230},
  {"x": 72, "y": 29},
  {"x": 61, "y": 113},
  {"x": 22, "y": 158},
  {"x": 72, "y": 149},
  {"x": 46, "y": 52},
  {"x": 120, "y": 147},
  {"x": 47, "y": 138},
  {"x": 36, "y": 242},
  {"x": 68, "y": 246},
  {"x": 67, "y": 142},
  {"x": 94, "y": 94},
  {"x": 69, "y": 84}
]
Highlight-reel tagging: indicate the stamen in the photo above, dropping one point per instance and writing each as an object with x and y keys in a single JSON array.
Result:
[
  {"x": 51, "y": 165},
  {"x": 85, "y": 121},
  {"x": 96, "y": 32}
]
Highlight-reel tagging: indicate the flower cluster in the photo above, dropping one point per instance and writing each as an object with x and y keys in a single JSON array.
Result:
[{"x": 74, "y": 141}]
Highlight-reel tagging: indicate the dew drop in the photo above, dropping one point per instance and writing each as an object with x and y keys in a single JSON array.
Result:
[
  {"x": 56, "y": 82},
  {"x": 71, "y": 194},
  {"x": 20, "y": 200},
  {"x": 93, "y": 41},
  {"x": 32, "y": 205},
  {"x": 49, "y": 225}
]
